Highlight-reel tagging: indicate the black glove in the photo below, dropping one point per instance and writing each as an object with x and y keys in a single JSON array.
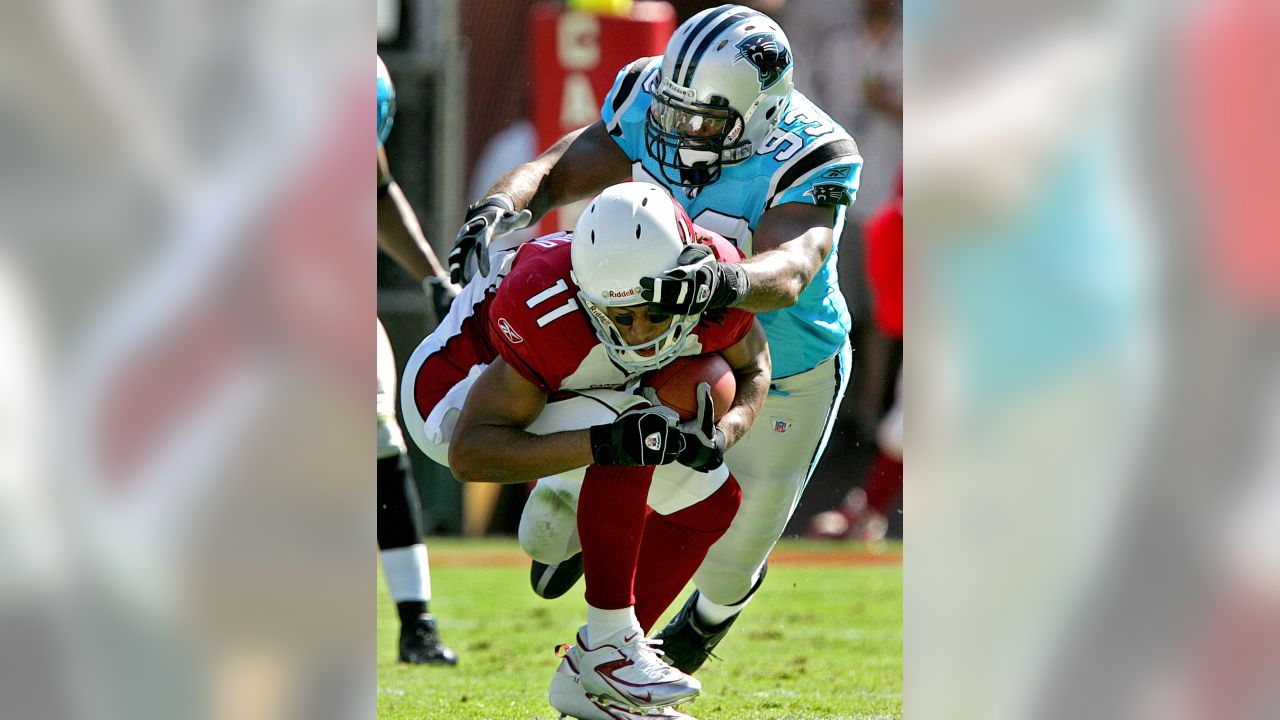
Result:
[
  {"x": 441, "y": 293},
  {"x": 703, "y": 441},
  {"x": 492, "y": 217},
  {"x": 696, "y": 285},
  {"x": 640, "y": 436}
]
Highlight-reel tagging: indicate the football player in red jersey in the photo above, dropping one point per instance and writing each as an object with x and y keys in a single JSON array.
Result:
[{"x": 528, "y": 379}]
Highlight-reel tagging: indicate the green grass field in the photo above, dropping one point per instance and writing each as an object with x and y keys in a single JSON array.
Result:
[{"x": 822, "y": 640}]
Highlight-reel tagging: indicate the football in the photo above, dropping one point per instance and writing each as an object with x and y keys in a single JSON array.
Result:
[{"x": 677, "y": 384}]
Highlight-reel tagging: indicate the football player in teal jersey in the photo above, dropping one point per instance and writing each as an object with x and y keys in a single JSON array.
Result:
[{"x": 716, "y": 121}]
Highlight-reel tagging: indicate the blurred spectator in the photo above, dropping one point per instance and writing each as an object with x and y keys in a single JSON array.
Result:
[
  {"x": 851, "y": 65},
  {"x": 864, "y": 513},
  {"x": 849, "y": 60}
]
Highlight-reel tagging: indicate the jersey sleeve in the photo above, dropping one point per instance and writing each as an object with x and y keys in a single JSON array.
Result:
[
  {"x": 827, "y": 174},
  {"x": 620, "y": 101},
  {"x": 724, "y": 250},
  {"x": 717, "y": 331}
]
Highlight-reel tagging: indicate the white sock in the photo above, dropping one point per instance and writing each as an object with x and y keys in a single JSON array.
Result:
[
  {"x": 604, "y": 624},
  {"x": 408, "y": 574},
  {"x": 712, "y": 613}
]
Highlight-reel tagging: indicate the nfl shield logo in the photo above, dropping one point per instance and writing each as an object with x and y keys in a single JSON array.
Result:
[
  {"x": 781, "y": 426},
  {"x": 653, "y": 442}
]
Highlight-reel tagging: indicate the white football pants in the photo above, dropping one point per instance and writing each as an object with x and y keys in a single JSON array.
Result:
[
  {"x": 772, "y": 464},
  {"x": 549, "y": 525},
  {"x": 390, "y": 439}
]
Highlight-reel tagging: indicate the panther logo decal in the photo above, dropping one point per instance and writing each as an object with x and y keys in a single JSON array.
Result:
[
  {"x": 829, "y": 194},
  {"x": 767, "y": 55}
]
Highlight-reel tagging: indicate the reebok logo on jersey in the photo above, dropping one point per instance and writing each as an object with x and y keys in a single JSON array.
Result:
[
  {"x": 829, "y": 194},
  {"x": 653, "y": 442},
  {"x": 512, "y": 335},
  {"x": 767, "y": 55},
  {"x": 838, "y": 172}
]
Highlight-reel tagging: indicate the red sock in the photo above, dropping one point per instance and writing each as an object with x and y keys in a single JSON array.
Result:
[
  {"x": 611, "y": 516},
  {"x": 675, "y": 545},
  {"x": 884, "y": 484}
]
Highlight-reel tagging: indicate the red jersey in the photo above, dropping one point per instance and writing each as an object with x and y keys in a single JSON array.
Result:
[
  {"x": 883, "y": 261},
  {"x": 531, "y": 316}
]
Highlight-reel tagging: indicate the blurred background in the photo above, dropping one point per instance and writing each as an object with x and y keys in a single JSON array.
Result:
[
  {"x": 487, "y": 84},
  {"x": 185, "y": 281}
]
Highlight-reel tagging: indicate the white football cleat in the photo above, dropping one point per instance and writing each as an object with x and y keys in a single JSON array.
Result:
[
  {"x": 628, "y": 671},
  {"x": 571, "y": 700}
]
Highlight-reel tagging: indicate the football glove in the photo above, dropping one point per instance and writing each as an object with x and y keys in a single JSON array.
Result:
[
  {"x": 492, "y": 217},
  {"x": 703, "y": 441},
  {"x": 441, "y": 292},
  {"x": 640, "y": 436},
  {"x": 696, "y": 285}
]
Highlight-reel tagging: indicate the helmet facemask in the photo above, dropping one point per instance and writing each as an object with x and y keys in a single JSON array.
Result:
[
  {"x": 691, "y": 140},
  {"x": 666, "y": 346}
]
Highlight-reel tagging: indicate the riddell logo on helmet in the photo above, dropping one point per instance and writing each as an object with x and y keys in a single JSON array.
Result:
[
  {"x": 667, "y": 87},
  {"x": 510, "y": 332},
  {"x": 617, "y": 294}
]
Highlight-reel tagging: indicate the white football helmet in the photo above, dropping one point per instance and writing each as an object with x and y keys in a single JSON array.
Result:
[
  {"x": 725, "y": 79},
  {"x": 629, "y": 231}
]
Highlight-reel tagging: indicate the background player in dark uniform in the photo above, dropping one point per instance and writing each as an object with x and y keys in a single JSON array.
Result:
[{"x": 403, "y": 554}]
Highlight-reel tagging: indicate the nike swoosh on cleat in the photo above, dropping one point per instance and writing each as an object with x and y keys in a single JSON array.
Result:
[{"x": 606, "y": 670}]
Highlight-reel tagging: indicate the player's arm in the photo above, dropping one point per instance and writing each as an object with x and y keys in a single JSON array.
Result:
[
  {"x": 399, "y": 232},
  {"x": 703, "y": 439},
  {"x": 577, "y": 166},
  {"x": 752, "y": 368},
  {"x": 490, "y": 443},
  {"x": 791, "y": 243}
]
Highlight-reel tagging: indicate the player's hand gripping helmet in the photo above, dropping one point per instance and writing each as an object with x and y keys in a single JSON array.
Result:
[
  {"x": 386, "y": 102},
  {"x": 724, "y": 84},
  {"x": 627, "y": 232}
]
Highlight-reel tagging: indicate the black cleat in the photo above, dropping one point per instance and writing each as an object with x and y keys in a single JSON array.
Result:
[
  {"x": 687, "y": 642},
  {"x": 420, "y": 643},
  {"x": 552, "y": 581}
]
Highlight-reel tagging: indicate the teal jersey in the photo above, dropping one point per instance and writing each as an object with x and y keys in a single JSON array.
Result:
[{"x": 808, "y": 158}]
